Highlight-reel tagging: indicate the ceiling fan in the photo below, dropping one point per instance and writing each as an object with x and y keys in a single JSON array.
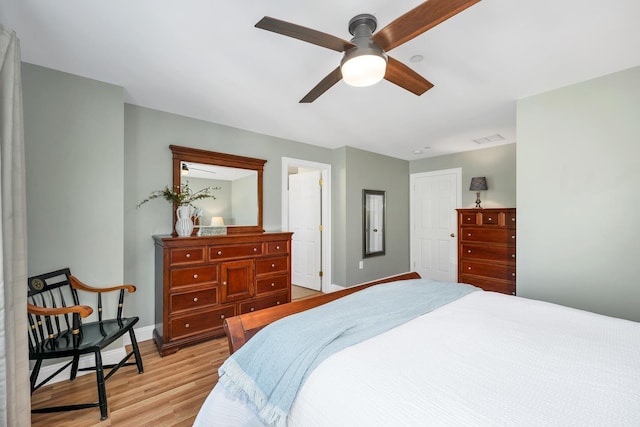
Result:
[{"x": 365, "y": 61}]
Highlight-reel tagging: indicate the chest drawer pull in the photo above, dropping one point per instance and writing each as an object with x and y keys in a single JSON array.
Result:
[
  {"x": 272, "y": 284},
  {"x": 188, "y": 255},
  {"x": 273, "y": 266},
  {"x": 195, "y": 276},
  {"x": 469, "y": 250},
  {"x": 219, "y": 252},
  {"x": 252, "y": 309},
  {"x": 195, "y": 299},
  {"x": 222, "y": 316},
  {"x": 513, "y": 237},
  {"x": 278, "y": 247},
  {"x": 224, "y": 283},
  {"x": 513, "y": 255},
  {"x": 255, "y": 249},
  {"x": 186, "y": 325},
  {"x": 277, "y": 302}
]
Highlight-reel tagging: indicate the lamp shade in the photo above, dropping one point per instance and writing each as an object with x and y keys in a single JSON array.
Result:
[
  {"x": 217, "y": 221},
  {"x": 478, "y": 183}
]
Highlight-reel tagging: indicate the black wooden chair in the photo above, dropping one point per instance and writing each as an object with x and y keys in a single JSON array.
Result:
[{"x": 57, "y": 331}]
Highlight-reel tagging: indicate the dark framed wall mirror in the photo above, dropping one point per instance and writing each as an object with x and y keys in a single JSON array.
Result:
[
  {"x": 373, "y": 222},
  {"x": 238, "y": 202}
]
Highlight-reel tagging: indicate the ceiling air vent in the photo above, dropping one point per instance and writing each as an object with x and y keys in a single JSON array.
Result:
[{"x": 487, "y": 139}]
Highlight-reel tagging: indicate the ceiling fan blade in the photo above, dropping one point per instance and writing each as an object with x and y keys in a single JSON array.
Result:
[
  {"x": 418, "y": 20},
  {"x": 303, "y": 33},
  {"x": 405, "y": 77},
  {"x": 325, "y": 84}
]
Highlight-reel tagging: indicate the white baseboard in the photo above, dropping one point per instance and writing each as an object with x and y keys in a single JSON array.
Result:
[{"x": 109, "y": 357}]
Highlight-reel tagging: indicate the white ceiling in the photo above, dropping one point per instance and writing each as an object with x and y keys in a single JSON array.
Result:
[{"x": 205, "y": 59}]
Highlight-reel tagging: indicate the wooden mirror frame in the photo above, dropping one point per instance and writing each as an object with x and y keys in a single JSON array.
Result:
[{"x": 185, "y": 154}]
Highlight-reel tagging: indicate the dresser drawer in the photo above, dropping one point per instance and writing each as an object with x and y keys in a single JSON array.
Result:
[
  {"x": 487, "y": 284},
  {"x": 186, "y": 256},
  {"x": 273, "y": 284},
  {"x": 235, "y": 251},
  {"x": 468, "y": 218},
  {"x": 277, "y": 248},
  {"x": 497, "y": 271},
  {"x": 507, "y": 253},
  {"x": 490, "y": 218},
  {"x": 260, "y": 303},
  {"x": 510, "y": 219},
  {"x": 193, "y": 300},
  {"x": 193, "y": 276},
  {"x": 271, "y": 265},
  {"x": 183, "y": 326},
  {"x": 490, "y": 235}
]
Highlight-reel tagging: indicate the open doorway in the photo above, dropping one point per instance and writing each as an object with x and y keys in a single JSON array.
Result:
[{"x": 306, "y": 211}]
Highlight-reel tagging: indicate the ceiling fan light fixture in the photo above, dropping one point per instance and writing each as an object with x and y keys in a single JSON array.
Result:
[{"x": 363, "y": 70}]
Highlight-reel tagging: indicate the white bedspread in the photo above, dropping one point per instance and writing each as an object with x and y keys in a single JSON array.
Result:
[{"x": 485, "y": 360}]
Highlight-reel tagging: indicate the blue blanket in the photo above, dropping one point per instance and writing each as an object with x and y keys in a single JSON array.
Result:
[{"x": 270, "y": 368}]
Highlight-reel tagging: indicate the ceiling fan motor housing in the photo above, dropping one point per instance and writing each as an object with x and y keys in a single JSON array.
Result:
[{"x": 362, "y": 28}]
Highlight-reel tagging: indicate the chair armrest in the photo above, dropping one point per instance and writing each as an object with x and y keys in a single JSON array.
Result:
[
  {"x": 83, "y": 310},
  {"x": 77, "y": 284}
]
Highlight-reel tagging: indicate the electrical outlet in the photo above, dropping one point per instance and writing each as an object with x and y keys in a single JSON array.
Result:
[{"x": 361, "y": 265}]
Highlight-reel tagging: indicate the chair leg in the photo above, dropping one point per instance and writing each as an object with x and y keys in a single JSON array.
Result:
[
  {"x": 102, "y": 392},
  {"x": 74, "y": 367},
  {"x": 35, "y": 373},
  {"x": 136, "y": 350}
]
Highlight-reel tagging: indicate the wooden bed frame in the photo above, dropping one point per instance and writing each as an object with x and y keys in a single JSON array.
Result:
[{"x": 240, "y": 329}]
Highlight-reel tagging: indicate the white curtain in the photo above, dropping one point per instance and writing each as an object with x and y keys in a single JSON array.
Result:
[{"x": 15, "y": 400}]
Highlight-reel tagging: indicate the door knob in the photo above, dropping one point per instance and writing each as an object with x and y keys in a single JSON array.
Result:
[{"x": 452, "y": 235}]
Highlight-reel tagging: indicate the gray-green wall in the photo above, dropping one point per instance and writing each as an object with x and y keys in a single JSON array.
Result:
[
  {"x": 75, "y": 174},
  {"x": 358, "y": 170},
  {"x": 497, "y": 164},
  {"x": 578, "y": 173}
]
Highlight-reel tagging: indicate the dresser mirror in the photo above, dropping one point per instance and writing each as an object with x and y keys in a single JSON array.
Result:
[{"x": 238, "y": 199}]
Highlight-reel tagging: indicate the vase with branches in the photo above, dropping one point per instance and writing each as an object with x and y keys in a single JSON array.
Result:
[{"x": 183, "y": 200}]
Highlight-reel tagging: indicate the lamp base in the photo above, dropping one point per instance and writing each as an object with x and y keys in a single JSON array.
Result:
[{"x": 478, "y": 200}]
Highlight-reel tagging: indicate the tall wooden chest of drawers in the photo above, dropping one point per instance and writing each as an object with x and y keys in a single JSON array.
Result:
[
  {"x": 487, "y": 248},
  {"x": 200, "y": 281}
]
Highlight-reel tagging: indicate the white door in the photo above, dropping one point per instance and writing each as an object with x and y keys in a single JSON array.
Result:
[
  {"x": 434, "y": 244},
  {"x": 305, "y": 222}
]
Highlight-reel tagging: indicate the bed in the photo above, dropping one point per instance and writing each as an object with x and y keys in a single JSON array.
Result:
[{"x": 480, "y": 359}]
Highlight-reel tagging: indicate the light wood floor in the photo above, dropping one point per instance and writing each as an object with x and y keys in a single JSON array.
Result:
[{"x": 168, "y": 393}]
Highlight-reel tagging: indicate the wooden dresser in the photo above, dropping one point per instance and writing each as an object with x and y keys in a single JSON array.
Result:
[
  {"x": 200, "y": 281},
  {"x": 487, "y": 248}
]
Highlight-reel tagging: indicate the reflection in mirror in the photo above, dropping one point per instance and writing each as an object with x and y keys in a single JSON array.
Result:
[
  {"x": 236, "y": 195},
  {"x": 373, "y": 221}
]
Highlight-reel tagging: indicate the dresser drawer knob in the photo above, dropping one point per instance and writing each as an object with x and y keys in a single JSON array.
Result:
[
  {"x": 219, "y": 252},
  {"x": 224, "y": 283},
  {"x": 273, "y": 266},
  {"x": 186, "y": 325},
  {"x": 468, "y": 250},
  {"x": 195, "y": 276},
  {"x": 513, "y": 274},
  {"x": 272, "y": 284},
  {"x": 490, "y": 219},
  {"x": 277, "y": 246},
  {"x": 468, "y": 268},
  {"x": 252, "y": 309},
  {"x": 222, "y": 316},
  {"x": 513, "y": 255},
  {"x": 255, "y": 249},
  {"x": 277, "y": 302},
  {"x": 513, "y": 237},
  {"x": 195, "y": 299},
  {"x": 188, "y": 255},
  {"x": 469, "y": 234}
]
